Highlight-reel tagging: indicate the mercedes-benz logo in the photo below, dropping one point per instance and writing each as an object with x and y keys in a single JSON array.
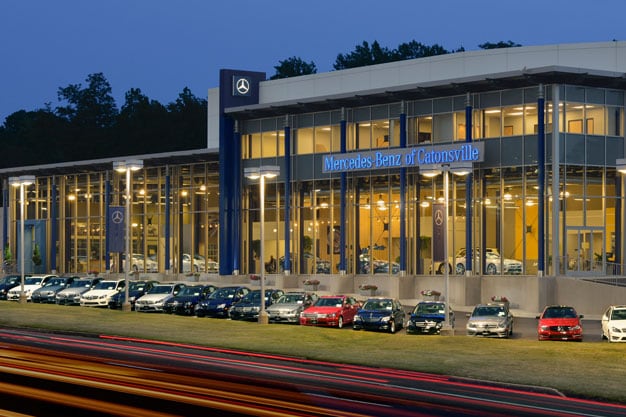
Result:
[
  {"x": 243, "y": 86},
  {"x": 117, "y": 217},
  {"x": 438, "y": 218}
]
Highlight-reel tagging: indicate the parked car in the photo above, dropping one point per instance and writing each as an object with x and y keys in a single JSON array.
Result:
[
  {"x": 185, "y": 301},
  {"x": 154, "y": 300},
  {"x": 492, "y": 319},
  {"x": 47, "y": 293},
  {"x": 220, "y": 301},
  {"x": 368, "y": 263},
  {"x": 288, "y": 307},
  {"x": 428, "y": 317},
  {"x": 8, "y": 282},
  {"x": 249, "y": 307},
  {"x": 139, "y": 263},
  {"x": 213, "y": 267},
  {"x": 30, "y": 284},
  {"x": 197, "y": 265},
  {"x": 494, "y": 265},
  {"x": 559, "y": 323},
  {"x": 70, "y": 295},
  {"x": 101, "y": 293},
  {"x": 380, "y": 314},
  {"x": 330, "y": 310},
  {"x": 614, "y": 324},
  {"x": 135, "y": 290}
]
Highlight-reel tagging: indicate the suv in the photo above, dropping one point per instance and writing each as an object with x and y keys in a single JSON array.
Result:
[{"x": 491, "y": 319}]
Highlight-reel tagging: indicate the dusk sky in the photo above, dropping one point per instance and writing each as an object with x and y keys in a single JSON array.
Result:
[{"x": 162, "y": 46}]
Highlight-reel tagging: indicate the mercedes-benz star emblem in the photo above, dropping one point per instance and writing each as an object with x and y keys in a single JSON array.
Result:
[
  {"x": 438, "y": 218},
  {"x": 242, "y": 86},
  {"x": 117, "y": 217}
]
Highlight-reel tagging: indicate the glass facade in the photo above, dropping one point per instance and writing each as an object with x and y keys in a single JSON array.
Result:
[{"x": 504, "y": 196}]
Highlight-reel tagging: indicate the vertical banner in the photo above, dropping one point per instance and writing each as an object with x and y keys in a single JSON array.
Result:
[
  {"x": 438, "y": 232},
  {"x": 117, "y": 231}
]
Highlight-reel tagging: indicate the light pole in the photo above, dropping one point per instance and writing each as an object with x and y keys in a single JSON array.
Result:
[
  {"x": 126, "y": 167},
  {"x": 430, "y": 171},
  {"x": 260, "y": 173},
  {"x": 22, "y": 181}
]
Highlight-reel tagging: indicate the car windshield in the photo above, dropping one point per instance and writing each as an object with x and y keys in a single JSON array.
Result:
[
  {"x": 252, "y": 297},
  {"x": 55, "y": 281},
  {"x": 559, "y": 313},
  {"x": 80, "y": 283},
  {"x": 489, "y": 311},
  {"x": 429, "y": 308},
  {"x": 190, "y": 291},
  {"x": 619, "y": 314},
  {"x": 224, "y": 293},
  {"x": 291, "y": 299},
  {"x": 161, "y": 289},
  {"x": 377, "y": 305},
  {"x": 105, "y": 285},
  {"x": 137, "y": 286},
  {"x": 33, "y": 280},
  {"x": 329, "y": 302}
]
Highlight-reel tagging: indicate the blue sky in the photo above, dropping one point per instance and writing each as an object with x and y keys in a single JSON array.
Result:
[{"x": 163, "y": 46}]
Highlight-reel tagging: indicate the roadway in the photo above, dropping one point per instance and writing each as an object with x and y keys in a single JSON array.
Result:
[{"x": 51, "y": 374}]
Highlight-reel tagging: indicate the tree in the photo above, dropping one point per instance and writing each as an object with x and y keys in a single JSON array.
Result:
[
  {"x": 364, "y": 55},
  {"x": 187, "y": 122},
  {"x": 293, "y": 67},
  {"x": 91, "y": 107},
  {"x": 501, "y": 44},
  {"x": 142, "y": 121}
]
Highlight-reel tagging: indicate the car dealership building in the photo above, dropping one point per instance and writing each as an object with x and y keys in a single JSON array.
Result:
[{"x": 382, "y": 173}]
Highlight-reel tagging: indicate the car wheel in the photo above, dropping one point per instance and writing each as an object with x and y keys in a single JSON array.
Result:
[
  {"x": 392, "y": 327},
  {"x": 340, "y": 322},
  {"x": 441, "y": 270},
  {"x": 491, "y": 269},
  {"x": 135, "y": 268},
  {"x": 195, "y": 268},
  {"x": 460, "y": 269}
]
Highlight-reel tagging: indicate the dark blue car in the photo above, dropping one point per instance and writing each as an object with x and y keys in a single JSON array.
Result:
[
  {"x": 386, "y": 314},
  {"x": 185, "y": 301},
  {"x": 428, "y": 317},
  {"x": 250, "y": 305},
  {"x": 220, "y": 301},
  {"x": 135, "y": 290},
  {"x": 8, "y": 282}
]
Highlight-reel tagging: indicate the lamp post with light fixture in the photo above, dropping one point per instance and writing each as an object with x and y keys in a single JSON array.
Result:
[
  {"x": 126, "y": 167},
  {"x": 431, "y": 171},
  {"x": 22, "y": 181},
  {"x": 260, "y": 173}
]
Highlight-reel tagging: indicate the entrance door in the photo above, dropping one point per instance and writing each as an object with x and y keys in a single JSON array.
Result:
[{"x": 585, "y": 246}]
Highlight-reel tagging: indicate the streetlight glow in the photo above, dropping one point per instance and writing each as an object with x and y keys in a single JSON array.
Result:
[
  {"x": 256, "y": 173},
  {"x": 21, "y": 182}
]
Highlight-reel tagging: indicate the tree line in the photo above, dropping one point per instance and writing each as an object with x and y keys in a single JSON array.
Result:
[{"x": 88, "y": 124}]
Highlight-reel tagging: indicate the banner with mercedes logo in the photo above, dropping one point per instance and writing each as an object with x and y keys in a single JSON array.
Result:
[
  {"x": 117, "y": 229},
  {"x": 438, "y": 232}
]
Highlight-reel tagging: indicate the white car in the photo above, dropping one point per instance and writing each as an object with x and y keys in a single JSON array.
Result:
[
  {"x": 101, "y": 293},
  {"x": 493, "y": 263},
  {"x": 31, "y": 283},
  {"x": 199, "y": 264},
  {"x": 157, "y": 296},
  {"x": 614, "y": 324},
  {"x": 138, "y": 263}
]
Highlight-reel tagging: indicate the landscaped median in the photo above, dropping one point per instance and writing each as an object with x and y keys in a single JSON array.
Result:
[{"x": 592, "y": 370}]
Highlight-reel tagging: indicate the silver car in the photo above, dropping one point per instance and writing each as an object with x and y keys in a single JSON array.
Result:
[
  {"x": 492, "y": 319},
  {"x": 288, "y": 307}
]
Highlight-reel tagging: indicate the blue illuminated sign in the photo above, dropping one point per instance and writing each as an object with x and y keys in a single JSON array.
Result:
[{"x": 404, "y": 158}]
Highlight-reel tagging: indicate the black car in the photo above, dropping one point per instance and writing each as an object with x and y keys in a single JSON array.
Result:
[
  {"x": 380, "y": 314},
  {"x": 250, "y": 305},
  {"x": 220, "y": 301},
  {"x": 135, "y": 290},
  {"x": 47, "y": 293},
  {"x": 428, "y": 317},
  {"x": 8, "y": 282},
  {"x": 185, "y": 301}
]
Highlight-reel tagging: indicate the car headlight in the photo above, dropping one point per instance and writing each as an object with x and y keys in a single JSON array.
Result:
[
  {"x": 502, "y": 324},
  {"x": 385, "y": 319},
  {"x": 331, "y": 315},
  {"x": 544, "y": 328},
  {"x": 223, "y": 305},
  {"x": 471, "y": 325},
  {"x": 576, "y": 328},
  {"x": 358, "y": 318},
  {"x": 616, "y": 330}
]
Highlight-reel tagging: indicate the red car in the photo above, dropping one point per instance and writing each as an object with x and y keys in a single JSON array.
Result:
[
  {"x": 560, "y": 323},
  {"x": 330, "y": 310}
]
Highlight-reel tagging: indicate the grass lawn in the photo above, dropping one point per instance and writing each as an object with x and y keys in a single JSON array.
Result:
[{"x": 590, "y": 370}]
